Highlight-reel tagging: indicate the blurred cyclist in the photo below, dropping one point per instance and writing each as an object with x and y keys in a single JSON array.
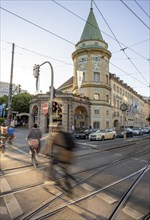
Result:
[
  {"x": 63, "y": 146},
  {"x": 10, "y": 134}
]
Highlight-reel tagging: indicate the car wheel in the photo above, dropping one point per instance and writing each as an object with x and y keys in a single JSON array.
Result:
[
  {"x": 102, "y": 138},
  {"x": 114, "y": 137}
]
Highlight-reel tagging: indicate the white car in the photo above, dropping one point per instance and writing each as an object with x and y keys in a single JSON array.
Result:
[{"x": 103, "y": 135}]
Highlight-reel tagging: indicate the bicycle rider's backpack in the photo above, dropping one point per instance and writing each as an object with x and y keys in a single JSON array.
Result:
[
  {"x": 69, "y": 140},
  {"x": 63, "y": 147}
]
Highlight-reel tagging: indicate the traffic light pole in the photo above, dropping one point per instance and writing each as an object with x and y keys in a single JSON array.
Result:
[{"x": 36, "y": 75}]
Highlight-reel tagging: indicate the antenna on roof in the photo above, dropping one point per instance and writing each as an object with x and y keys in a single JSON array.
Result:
[{"x": 91, "y": 5}]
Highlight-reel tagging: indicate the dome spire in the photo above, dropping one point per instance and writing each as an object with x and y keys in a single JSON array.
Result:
[{"x": 91, "y": 30}]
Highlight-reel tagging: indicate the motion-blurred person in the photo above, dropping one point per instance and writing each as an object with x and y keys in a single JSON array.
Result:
[{"x": 63, "y": 145}]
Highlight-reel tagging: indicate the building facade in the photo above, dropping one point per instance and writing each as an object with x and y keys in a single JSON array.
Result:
[{"x": 92, "y": 96}]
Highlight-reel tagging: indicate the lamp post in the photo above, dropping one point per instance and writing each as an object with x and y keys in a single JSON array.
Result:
[
  {"x": 36, "y": 70},
  {"x": 123, "y": 108}
]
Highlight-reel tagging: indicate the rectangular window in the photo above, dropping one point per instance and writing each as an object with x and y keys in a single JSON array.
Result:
[
  {"x": 96, "y": 124},
  {"x": 83, "y": 79},
  {"x": 96, "y": 111},
  {"x": 107, "y": 124},
  {"x": 96, "y": 77},
  {"x": 96, "y": 96}
]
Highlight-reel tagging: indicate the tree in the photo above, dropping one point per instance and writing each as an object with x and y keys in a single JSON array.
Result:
[
  {"x": 148, "y": 118},
  {"x": 20, "y": 102},
  {"x": 4, "y": 100}
]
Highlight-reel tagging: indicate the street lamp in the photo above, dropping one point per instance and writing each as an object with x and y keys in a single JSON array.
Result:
[
  {"x": 36, "y": 70},
  {"x": 124, "y": 108}
]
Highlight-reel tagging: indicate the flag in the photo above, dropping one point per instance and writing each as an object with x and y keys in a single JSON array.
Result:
[{"x": 79, "y": 77}]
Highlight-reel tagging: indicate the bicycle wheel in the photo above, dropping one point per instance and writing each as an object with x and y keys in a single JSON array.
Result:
[
  {"x": 58, "y": 170},
  {"x": 33, "y": 158}
]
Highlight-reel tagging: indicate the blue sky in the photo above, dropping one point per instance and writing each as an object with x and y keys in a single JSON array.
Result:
[{"x": 63, "y": 23}]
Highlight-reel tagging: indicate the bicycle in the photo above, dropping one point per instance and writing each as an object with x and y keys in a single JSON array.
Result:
[
  {"x": 59, "y": 168},
  {"x": 34, "y": 148},
  {"x": 2, "y": 143}
]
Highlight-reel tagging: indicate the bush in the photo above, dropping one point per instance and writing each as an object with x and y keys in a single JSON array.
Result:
[{"x": 2, "y": 120}]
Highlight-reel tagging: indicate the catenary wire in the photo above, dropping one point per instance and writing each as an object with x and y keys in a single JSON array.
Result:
[
  {"x": 56, "y": 36},
  {"x": 101, "y": 57},
  {"x": 123, "y": 49},
  {"x": 96, "y": 28},
  {"x": 141, "y": 8},
  {"x": 134, "y": 13}
]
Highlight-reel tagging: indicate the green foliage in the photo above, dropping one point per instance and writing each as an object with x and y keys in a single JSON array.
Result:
[
  {"x": 20, "y": 102},
  {"x": 148, "y": 118},
  {"x": 4, "y": 100},
  {"x": 2, "y": 120}
]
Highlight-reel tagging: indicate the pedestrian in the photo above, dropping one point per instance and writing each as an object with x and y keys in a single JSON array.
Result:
[{"x": 36, "y": 134}]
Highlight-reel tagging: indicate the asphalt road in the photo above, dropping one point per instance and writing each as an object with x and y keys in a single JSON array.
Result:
[{"x": 104, "y": 171}]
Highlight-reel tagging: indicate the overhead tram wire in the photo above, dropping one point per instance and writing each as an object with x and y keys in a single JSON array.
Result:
[
  {"x": 129, "y": 47},
  {"x": 72, "y": 65},
  {"x": 58, "y": 37},
  {"x": 134, "y": 13},
  {"x": 108, "y": 35},
  {"x": 123, "y": 49},
  {"x": 36, "y": 25},
  {"x": 141, "y": 8},
  {"x": 95, "y": 27}
]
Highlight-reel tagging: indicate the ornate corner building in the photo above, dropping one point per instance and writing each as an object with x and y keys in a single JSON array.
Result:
[{"x": 92, "y": 96}]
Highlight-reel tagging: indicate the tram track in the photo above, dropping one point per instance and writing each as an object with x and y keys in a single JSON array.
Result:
[
  {"x": 46, "y": 204},
  {"x": 70, "y": 202},
  {"x": 101, "y": 167},
  {"x": 99, "y": 150}
]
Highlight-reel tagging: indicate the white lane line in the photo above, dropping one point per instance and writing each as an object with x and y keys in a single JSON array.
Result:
[
  {"x": 3, "y": 210},
  {"x": 103, "y": 196},
  {"x": 139, "y": 159},
  {"x": 11, "y": 202},
  {"x": 87, "y": 187},
  {"x": 107, "y": 198},
  {"x": 133, "y": 213}
]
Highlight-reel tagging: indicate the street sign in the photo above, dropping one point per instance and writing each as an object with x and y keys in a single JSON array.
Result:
[{"x": 45, "y": 107}]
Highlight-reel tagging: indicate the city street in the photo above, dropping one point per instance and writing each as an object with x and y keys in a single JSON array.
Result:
[{"x": 112, "y": 182}]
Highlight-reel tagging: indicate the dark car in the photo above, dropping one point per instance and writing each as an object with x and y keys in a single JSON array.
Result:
[
  {"x": 85, "y": 133},
  {"x": 129, "y": 133}
]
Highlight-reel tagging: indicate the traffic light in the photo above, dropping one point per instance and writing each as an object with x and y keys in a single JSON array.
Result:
[
  {"x": 36, "y": 70},
  {"x": 55, "y": 106},
  {"x": 18, "y": 88}
]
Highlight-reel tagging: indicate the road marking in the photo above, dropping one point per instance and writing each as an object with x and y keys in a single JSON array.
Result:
[
  {"x": 103, "y": 196},
  {"x": 3, "y": 210},
  {"x": 133, "y": 213},
  {"x": 107, "y": 198},
  {"x": 11, "y": 202},
  {"x": 87, "y": 187}
]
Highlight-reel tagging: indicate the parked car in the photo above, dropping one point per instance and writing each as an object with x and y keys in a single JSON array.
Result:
[
  {"x": 146, "y": 130},
  {"x": 85, "y": 133},
  {"x": 103, "y": 135},
  {"x": 137, "y": 131},
  {"x": 129, "y": 133}
]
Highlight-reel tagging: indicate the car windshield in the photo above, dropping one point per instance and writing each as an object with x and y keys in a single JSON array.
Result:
[{"x": 100, "y": 131}]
